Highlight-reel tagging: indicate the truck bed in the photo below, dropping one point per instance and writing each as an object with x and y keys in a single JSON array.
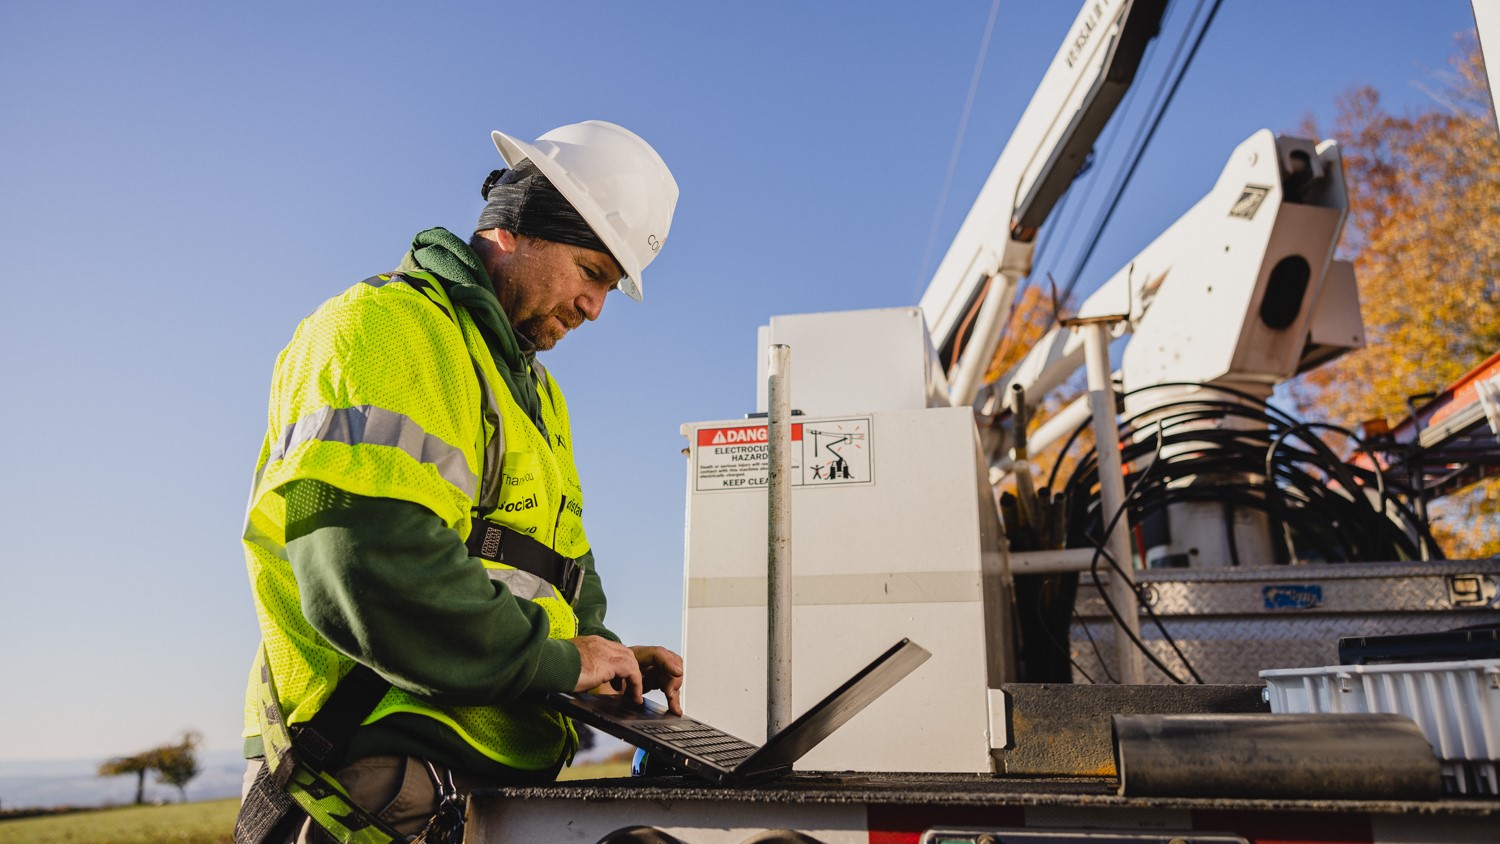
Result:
[
  {"x": 958, "y": 790},
  {"x": 840, "y": 807}
]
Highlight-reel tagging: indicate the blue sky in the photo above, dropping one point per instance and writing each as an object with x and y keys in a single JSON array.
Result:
[{"x": 181, "y": 182}]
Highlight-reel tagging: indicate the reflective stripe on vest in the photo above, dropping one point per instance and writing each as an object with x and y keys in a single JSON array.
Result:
[
  {"x": 378, "y": 426},
  {"x": 522, "y": 584}
]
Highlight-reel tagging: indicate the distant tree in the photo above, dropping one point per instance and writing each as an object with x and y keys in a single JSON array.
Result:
[
  {"x": 121, "y": 766},
  {"x": 177, "y": 764},
  {"x": 174, "y": 764},
  {"x": 1424, "y": 234}
]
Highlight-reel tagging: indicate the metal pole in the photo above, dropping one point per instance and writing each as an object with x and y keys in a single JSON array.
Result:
[
  {"x": 1416, "y": 472},
  {"x": 1096, "y": 337},
  {"x": 779, "y": 542}
]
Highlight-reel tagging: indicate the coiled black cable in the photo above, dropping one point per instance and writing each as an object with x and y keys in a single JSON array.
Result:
[
  {"x": 1238, "y": 451},
  {"x": 1327, "y": 509}
]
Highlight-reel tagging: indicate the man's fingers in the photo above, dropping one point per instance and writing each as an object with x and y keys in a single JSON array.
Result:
[
  {"x": 630, "y": 671},
  {"x": 659, "y": 665},
  {"x": 602, "y": 662},
  {"x": 661, "y": 669},
  {"x": 635, "y": 685},
  {"x": 673, "y": 690}
]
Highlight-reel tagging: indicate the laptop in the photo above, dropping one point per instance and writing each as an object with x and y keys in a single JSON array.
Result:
[{"x": 722, "y": 758}]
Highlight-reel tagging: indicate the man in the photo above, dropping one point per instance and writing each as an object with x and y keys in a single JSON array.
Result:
[{"x": 414, "y": 538}]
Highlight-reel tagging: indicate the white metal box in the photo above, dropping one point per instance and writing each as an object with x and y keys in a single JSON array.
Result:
[
  {"x": 862, "y": 361},
  {"x": 1456, "y": 705},
  {"x": 894, "y": 534}
]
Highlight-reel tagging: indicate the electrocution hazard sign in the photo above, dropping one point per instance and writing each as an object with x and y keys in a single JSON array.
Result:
[{"x": 826, "y": 452}]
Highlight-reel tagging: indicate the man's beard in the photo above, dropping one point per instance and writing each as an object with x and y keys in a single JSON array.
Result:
[{"x": 544, "y": 332}]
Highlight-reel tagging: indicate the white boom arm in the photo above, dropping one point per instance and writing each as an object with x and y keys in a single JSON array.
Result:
[
  {"x": 1241, "y": 290},
  {"x": 995, "y": 242}
]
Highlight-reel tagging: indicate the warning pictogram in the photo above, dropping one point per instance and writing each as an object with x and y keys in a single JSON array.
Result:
[
  {"x": 834, "y": 445},
  {"x": 824, "y": 452}
]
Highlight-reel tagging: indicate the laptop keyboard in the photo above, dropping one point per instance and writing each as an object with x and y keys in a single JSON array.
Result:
[{"x": 714, "y": 745}]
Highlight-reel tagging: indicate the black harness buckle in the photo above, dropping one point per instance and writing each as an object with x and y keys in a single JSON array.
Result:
[
  {"x": 572, "y": 585},
  {"x": 500, "y": 544}
]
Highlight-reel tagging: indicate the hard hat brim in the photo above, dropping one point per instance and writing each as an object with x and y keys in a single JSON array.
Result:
[{"x": 513, "y": 150}]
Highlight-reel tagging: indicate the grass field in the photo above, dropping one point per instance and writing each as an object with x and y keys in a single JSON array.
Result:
[
  {"x": 598, "y": 771},
  {"x": 209, "y": 822}
]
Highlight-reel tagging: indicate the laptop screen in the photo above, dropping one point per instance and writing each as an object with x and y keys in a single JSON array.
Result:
[
  {"x": 848, "y": 700},
  {"x": 652, "y": 726}
]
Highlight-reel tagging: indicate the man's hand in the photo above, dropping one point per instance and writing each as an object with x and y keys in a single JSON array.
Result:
[
  {"x": 661, "y": 669},
  {"x": 606, "y": 662},
  {"x": 610, "y": 668}
]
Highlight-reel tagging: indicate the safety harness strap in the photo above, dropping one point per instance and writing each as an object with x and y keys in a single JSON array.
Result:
[
  {"x": 499, "y": 544},
  {"x": 268, "y": 813},
  {"x": 292, "y": 784},
  {"x": 325, "y": 737}
]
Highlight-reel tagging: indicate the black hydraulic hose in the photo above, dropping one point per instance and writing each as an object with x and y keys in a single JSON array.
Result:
[
  {"x": 1101, "y": 551},
  {"x": 1419, "y": 525},
  {"x": 1283, "y": 468},
  {"x": 1244, "y": 451}
]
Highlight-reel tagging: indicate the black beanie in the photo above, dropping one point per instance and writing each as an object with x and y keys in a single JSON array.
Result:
[{"x": 524, "y": 201}]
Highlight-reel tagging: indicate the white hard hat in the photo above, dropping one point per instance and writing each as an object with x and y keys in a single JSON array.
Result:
[{"x": 614, "y": 180}]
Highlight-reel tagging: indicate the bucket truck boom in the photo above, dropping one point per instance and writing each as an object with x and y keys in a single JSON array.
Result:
[{"x": 992, "y": 250}]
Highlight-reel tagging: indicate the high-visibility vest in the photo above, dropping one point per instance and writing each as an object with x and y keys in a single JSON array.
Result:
[{"x": 387, "y": 390}]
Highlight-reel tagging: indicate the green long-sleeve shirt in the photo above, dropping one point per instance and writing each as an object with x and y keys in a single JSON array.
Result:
[{"x": 386, "y": 582}]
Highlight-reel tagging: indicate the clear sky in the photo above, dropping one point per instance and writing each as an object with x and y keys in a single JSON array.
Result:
[{"x": 181, "y": 182}]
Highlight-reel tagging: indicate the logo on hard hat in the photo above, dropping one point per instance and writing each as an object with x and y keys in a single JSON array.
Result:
[{"x": 653, "y": 243}]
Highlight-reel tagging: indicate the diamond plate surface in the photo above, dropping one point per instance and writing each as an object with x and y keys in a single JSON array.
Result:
[{"x": 1232, "y": 623}]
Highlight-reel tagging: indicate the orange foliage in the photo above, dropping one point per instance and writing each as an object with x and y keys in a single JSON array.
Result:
[
  {"x": 1030, "y": 318},
  {"x": 1424, "y": 233}
]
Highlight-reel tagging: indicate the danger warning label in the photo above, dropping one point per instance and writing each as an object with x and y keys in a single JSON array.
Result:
[
  {"x": 737, "y": 436},
  {"x": 823, "y": 453}
]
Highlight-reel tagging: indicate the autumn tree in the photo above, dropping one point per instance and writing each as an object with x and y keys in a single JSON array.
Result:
[
  {"x": 1424, "y": 234},
  {"x": 174, "y": 764},
  {"x": 139, "y": 765},
  {"x": 177, "y": 764},
  {"x": 1031, "y": 316}
]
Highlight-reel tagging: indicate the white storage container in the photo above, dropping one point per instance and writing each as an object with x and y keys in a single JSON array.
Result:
[
  {"x": 1456, "y": 705},
  {"x": 937, "y": 577},
  {"x": 855, "y": 362}
]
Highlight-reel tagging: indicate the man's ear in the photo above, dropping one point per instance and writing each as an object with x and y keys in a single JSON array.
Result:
[
  {"x": 506, "y": 240},
  {"x": 503, "y": 239}
]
